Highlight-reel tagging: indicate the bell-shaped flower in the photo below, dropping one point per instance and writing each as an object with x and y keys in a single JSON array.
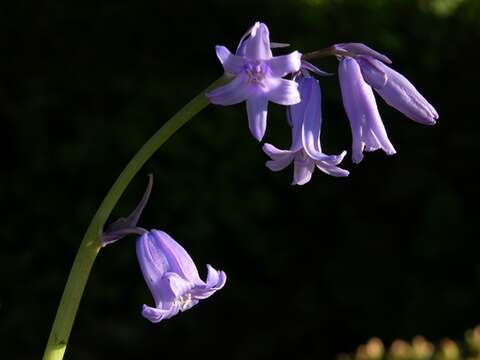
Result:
[
  {"x": 392, "y": 86},
  {"x": 172, "y": 276},
  {"x": 258, "y": 77},
  {"x": 305, "y": 152},
  {"x": 397, "y": 91},
  {"x": 368, "y": 131}
]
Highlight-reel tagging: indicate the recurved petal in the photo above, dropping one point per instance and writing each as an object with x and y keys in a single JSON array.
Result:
[
  {"x": 178, "y": 259},
  {"x": 257, "y": 46},
  {"x": 285, "y": 64},
  {"x": 215, "y": 281},
  {"x": 302, "y": 170},
  {"x": 231, "y": 63},
  {"x": 331, "y": 168},
  {"x": 280, "y": 158},
  {"x": 282, "y": 91},
  {"x": 234, "y": 92},
  {"x": 362, "y": 49},
  {"x": 257, "y": 116},
  {"x": 155, "y": 315}
]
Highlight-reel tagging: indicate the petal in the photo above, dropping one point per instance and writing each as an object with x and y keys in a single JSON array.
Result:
[
  {"x": 282, "y": 91},
  {"x": 176, "y": 284},
  {"x": 285, "y": 64},
  {"x": 234, "y": 92},
  {"x": 312, "y": 118},
  {"x": 231, "y": 63},
  {"x": 156, "y": 315},
  {"x": 331, "y": 168},
  {"x": 302, "y": 170},
  {"x": 362, "y": 111},
  {"x": 257, "y": 46},
  {"x": 179, "y": 260},
  {"x": 257, "y": 116},
  {"x": 372, "y": 73},
  {"x": 400, "y": 94},
  {"x": 362, "y": 49},
  {"x": 280, "y": 158},
  {"x": 152, "y": 261},
  {"x": 215, "y": 281}
]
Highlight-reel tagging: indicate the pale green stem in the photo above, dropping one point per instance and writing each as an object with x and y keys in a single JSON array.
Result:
[{"x": 90, "y": 246}]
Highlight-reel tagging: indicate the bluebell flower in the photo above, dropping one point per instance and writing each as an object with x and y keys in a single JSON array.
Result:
[
  {"x": 368, "y": 131},
  {"x": 172, "y": 277},
  {"x": 361, "y": 69},
  {"x": 258, "y": 77},
  {"x": 305, "y": 152}
]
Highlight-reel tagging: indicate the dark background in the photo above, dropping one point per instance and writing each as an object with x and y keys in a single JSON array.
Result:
[{"x": 390, "y": 251}]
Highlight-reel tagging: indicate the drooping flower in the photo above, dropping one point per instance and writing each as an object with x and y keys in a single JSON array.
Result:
[
  {"x": 258, "y": 77},
  {"x": 397, "y": 91},
  {"x": 358, "y": 60},
  {"x": 305, "y": 151},
  {"x": 368, "y": 131},
  {"x": 172, "y": 277}
]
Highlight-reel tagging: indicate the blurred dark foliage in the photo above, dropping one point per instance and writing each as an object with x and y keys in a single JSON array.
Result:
[{"x": 391, "y": 251}]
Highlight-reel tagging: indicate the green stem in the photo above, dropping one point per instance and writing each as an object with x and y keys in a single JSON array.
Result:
[{"x": 90, "y": 246}]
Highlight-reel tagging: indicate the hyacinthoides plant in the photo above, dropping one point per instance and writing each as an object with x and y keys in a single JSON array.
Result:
[{"x": 254, "y": 75}]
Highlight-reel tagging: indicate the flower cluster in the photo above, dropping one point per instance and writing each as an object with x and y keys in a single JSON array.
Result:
[{"x": 258, "y": 77}]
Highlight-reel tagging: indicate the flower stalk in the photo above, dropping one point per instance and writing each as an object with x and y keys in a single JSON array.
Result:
[{"x": 91, "y": 245}]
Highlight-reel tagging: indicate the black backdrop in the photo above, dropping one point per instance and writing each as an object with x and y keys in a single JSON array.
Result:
[{"x": 312, "y": 271}]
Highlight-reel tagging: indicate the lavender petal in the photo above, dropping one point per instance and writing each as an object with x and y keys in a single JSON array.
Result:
[
  {"x": 285, "y": 64},
  {"x": 257, "y": 116},
  {"x": 232, "y": 64},
  {"x": 234, "y": 92}
]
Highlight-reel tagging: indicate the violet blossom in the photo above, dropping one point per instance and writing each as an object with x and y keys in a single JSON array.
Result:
[
  {"x": 368, "y": 131},
  {"x": 258, "y": 77},
  {"x": 306, "y": 151},
  {"x": 362, "y": 68},
  {"x": 172, "y": 277}
]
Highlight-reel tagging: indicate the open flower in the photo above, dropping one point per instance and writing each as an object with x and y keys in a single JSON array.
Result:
[
  {"x": 172, "y": 276},
  {"x": 368, "y": 131},
  {"x": 305, "y": 151},
  {"x": 257, "y": 77}
]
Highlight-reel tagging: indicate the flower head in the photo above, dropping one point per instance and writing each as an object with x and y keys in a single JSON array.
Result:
[
  {"x": 257, "y": 77},
  {"x": 172, "y": 276},
  {"x": 305, "y": 151},
  {"x": 368, "y": 131}
]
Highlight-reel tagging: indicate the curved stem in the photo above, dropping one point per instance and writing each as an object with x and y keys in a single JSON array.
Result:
[{"x": 90, "y": 246}]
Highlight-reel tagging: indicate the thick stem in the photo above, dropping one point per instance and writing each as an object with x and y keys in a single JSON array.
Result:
[{"x": 90, "y": 246}]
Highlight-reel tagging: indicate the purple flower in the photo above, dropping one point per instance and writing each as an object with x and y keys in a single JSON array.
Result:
[
  {"x": 397, "y": 91},
  {"x": 360, "y": 67},
  {"x": 172, "y": 276},
  {"x": 368, "y": 132},
  {"x": 257, "y": 77},
  {"x": 393, "y": 87},
  {"x": 306, "y": 152}
]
